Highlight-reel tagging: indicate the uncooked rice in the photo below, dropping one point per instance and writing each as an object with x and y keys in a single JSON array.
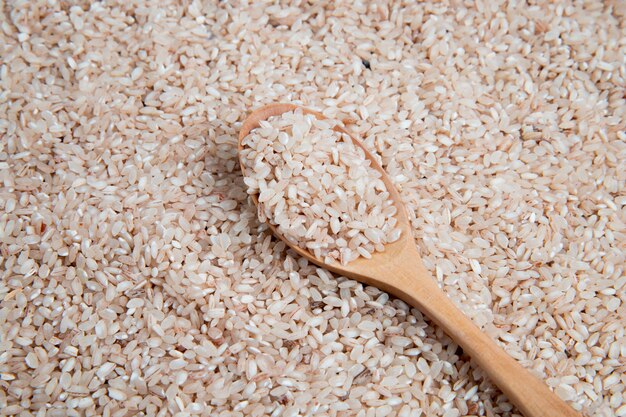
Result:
[
  {"x": 318, "y": 188},
  {"x": 136, "y": 278}
]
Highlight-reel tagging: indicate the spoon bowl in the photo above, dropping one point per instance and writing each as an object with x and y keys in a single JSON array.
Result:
[
  {"x": 399, "y": 270},
  {"x": 360, "y": 268}
]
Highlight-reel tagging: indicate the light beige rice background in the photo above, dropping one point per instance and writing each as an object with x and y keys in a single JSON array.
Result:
[{"x": 136, "y": 280}]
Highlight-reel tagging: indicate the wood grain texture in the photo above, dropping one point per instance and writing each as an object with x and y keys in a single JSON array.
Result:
[{"x": 399, "y": 270}]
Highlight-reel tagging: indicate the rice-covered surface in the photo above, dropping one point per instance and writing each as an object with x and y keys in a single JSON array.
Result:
[
  {"x": 318, "y": 188},
  {"x": 137, "y": 279}
]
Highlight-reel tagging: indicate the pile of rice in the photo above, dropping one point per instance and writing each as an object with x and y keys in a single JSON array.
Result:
[
  {"x": 318, "y": 188},
  {"x": 136, "y": 278}
]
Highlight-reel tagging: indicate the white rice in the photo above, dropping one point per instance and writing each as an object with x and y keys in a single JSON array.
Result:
[
  {"x": 318, "y": 188},
  {"x": 501, "y": 124}
]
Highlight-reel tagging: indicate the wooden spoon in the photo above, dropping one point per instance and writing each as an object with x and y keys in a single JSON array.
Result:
[{"x": 399, "y": 270}]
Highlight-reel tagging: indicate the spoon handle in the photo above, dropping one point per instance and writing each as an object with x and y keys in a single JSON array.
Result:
[{"x": 414, "y": 284}]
